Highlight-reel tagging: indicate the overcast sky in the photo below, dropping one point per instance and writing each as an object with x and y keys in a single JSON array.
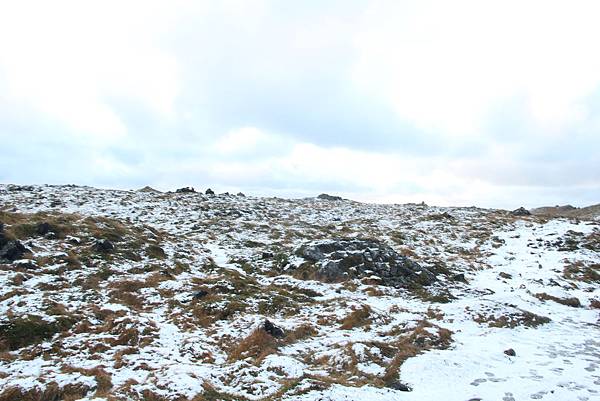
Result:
[{"x": 488, "y": 103}]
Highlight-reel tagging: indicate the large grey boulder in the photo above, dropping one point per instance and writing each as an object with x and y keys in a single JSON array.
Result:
[{"x": 344, "y": 259}]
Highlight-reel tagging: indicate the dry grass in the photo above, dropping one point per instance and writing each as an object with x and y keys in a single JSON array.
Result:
[
  {"x": 357, "y": 318},
  {"x": 211, "y": 394},
  {"x": 572, "y": 302},
  {"x": 52, "y": 392},
  {"x": 103, "y": 378},
  {"x": 413, "y": 343},
  {"x": 129, "y": 336},
  {"x": 257, "y": 346},
  {"x": 512, "y": 320},
  {"x": 580, "y": 271}
]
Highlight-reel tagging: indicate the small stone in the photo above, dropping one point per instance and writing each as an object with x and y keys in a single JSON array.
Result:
[
  {"x": 510, "y": 352},
  {"x": 43, "y": 228},
  {"x": 199, "y": 295},
  {"x": 273, "y": 330},
  {"x": 399, "y": 386},
  {"x": 459, "y": 277},
  {"x": 104, "y": 246}
]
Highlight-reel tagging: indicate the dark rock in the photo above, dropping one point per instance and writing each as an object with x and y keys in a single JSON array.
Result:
[
  {"x": 43, "y": 228},
  {"x": 267, "y": 255},
  {"x": 343, "y": 259},
  {"x": 199, "y": 295},
  {"x": 505, "y": 275},
  {"x": 241, "y": 194},
  {"x": 459, "y": 277},
  {"x": 16, "y": 188},
  {"x": 185, "y": 190},
  {"x": 329, "y": 197},
  {"x": 273, "y": 330},
  {"x": 209, "y": 192},
  {"x": 441, "y": 216},
  {"x": 520, "y": 212},
  {"x": 12, "y": 250},
  {"x": 510, "y": 352},
  {"x": 399, "y": 386},
  {"x": 104, "y": 246}
]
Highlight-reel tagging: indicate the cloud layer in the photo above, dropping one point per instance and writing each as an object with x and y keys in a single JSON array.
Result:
[{"x": 487, "y": 103}]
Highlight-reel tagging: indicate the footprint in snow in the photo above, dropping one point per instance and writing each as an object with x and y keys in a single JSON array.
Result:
[
  {"x": 508, "y": 397},
  {"x": 477, "y": 382},
  {"x": 539, "y": 395}
]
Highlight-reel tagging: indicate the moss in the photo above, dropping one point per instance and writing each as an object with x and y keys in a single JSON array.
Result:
[
  {"x": 216, "y": 309},
  {"x": 21, "y": 332},
  {"x": 52, "y": 392},
  {"x": 277, "y": 304},
  {"x": 211, "y": 394},
  {"x": 441, "y": 296}
]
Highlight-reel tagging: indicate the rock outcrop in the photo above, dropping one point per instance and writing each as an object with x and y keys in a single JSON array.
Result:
[
  {"x": 344, "y": 259},
  {"x": 520, "y": 212},
  {"x": 329, "y": 197}
]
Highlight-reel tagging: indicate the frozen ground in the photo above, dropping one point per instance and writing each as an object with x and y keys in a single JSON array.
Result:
[{"x": 130, "y": 327}]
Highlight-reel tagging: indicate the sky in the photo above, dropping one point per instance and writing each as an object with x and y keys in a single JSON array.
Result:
[{"x": 487, "y": 103}]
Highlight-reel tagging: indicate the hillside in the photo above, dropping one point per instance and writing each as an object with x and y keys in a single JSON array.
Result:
[
  {"x": 588, "y": 212},
  {"x": 142, "y": 295}
]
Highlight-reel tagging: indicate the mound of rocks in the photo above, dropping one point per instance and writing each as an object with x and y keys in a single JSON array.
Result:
[
  {"x": 329, "y": 197},
  {"x": 185, "y": 190},
  {"x": 520, "y": 212},
  {"x": 344, "y": 259}
]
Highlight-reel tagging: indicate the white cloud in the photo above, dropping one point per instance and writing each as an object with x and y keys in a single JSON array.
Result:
[
  {"x": 445, "y": 65},
  {"x": 253, "y": 93},
  {"x": 69, "y": 59},
  {"x": 242, "y": 140}
]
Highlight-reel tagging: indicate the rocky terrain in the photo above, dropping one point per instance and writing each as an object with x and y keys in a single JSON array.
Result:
[
  {"x": 588, "y": 212},
  {"x": 142, "y": 295}
]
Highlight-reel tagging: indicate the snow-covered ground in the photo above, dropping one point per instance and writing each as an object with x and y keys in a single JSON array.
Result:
[{"x": 136, "y": 331}]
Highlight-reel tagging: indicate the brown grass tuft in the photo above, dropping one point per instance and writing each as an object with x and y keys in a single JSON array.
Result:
[
  {"x": 257, "y": 346},
  {"x": 572, "y": 302},
  {"x": 357, "y": 318}
]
